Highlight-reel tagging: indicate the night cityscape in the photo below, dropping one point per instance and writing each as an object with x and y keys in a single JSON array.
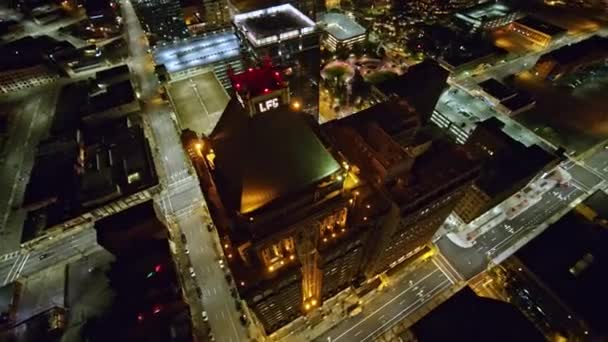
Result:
[{"x": 303, "y": 170}]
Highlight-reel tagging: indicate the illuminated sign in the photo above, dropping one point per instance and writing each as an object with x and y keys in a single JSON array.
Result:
[{"x": 269, "y": 104}]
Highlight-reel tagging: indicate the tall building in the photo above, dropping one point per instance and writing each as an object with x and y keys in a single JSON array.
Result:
[
  {"x": 424, "y": 178},
  {"x": 292, "y": 220},
  {"x": 291, "y": 40},
  {"x": 162, "y": 19},
  {"x": 503, "y": 174},
  {"x": 206, "y": 15}
]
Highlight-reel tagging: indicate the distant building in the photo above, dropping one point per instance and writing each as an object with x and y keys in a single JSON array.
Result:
[
  {"x": 537, "y": 31},
  {"x": 504, "y": 173},
  {"x": 505, "y": 98},
  {"x": 206, "y": 15},
  {"x": 342, "y": 32},
  {"x": 486, "y": 320},
  {"x": 489, "y": 15},
  {"x": 421, "y": 85},
  {"x": 439, "y": 8},
  {"x": 601, "y": 5},
  {"x": 102, "y": 13},
  {"x": 162, "y": 19},
  {"x": 291, "y": 40}
]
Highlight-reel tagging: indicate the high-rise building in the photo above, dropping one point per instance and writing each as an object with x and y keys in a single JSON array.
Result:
[
  {"x": 423, "y": 178},
  {"x": 292, "y": 220},
  {"x": 162, "y": 19},
  {"x": 206, "y": 15},
  {"x": 291, "y": 40}
]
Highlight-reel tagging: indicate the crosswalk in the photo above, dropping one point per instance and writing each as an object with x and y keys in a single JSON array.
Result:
[{"x": 16, "y": 268}]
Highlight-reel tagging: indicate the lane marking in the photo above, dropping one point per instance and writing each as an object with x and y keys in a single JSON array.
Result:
[
  {"x": 384, "y": 305},
  {"x": 418, "y": 303}
]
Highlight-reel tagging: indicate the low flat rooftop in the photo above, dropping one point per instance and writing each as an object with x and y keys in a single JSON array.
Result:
[
  {"x": 284, "y": 21},
  {"x": 498, "y": 90},
  {"x": 341, "y": 26},
  {"x": 264, "y": 158},
  {"x": 199, "y": 101},
  {"x": 575, "y": 271},
  {"x": 487, "y": 320},
  {"x": 595, "y": 46},
  {"x": 541, "y": 26},
  {"x": 599, "y": 203},
  {"x": 487, "y": 11},
  {"x": 198, "y": 52}
]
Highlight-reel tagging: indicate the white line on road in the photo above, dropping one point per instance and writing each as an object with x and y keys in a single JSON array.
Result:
[
  {"x": 8, "y": 275},
  {"x": 358, "y": 333},
  {"x": 22, "y": 265},
  {"x": 417, "y": 303},
  {"x": 236, "y": 334},
  {"x": 383, "y": 306}
]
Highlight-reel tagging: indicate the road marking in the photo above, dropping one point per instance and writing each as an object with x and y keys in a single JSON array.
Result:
[
  {"x": 383, "y": 306},
  {"x": 223, "y": 316},
  {"x": 381, "y": 317},
  {"x": 8, "y": 275},
  {"x": 236, "y": 334},
  {"x": 22, "y": 265},
  {"x": 358, "y": 333},
  {"x": 214, "y": 291},
  {"x": 418, "y": 303}
]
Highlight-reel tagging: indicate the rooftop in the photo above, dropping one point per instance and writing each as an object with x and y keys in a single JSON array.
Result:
[
  {"x": 541, "y": 26},
  {"x": 575, "y": 271},
  {"x": 497, "y": 90},
  {"x": 486, "y": 320},
  {"x": 257, "y": 81},
  {"x": 264, "y": 158},
  {"x": 199, "y": 51},
  {"x": 266, "y": 26},
  {"x": 579, "y": 51},
  {"x": 341, "y": 26},
  {"x": 599, "y": 203},
  {"x": 486, "y": 11}
]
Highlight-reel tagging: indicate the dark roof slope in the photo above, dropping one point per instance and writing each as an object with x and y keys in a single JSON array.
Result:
[
  {"x": 541, "y": 26},
  {"x": 266, "y": 157},
  {"x": 467, "y": 317}
]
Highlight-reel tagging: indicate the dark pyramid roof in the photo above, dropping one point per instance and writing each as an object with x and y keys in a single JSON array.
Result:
[{"x": 266, "y": 157}]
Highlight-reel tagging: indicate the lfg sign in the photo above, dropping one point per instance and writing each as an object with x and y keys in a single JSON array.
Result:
[{"x": 267, "y": 105}]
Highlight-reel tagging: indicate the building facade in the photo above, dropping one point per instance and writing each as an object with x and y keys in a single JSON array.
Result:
[{"x": 162, "y": 19}]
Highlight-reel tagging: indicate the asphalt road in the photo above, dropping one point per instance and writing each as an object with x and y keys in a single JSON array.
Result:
[
  {"x": 397, "y": 302},
  {"x": 500, "y": 241},
  {"x": 32, "y": 114},
  {"x": 181, "y": 198},
  {"x": 52, "y": 252}
]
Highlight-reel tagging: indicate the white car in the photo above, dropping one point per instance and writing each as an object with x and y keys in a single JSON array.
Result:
[
  {"x": 192, "y": 274},
  {"x": 205, "y": 317}
]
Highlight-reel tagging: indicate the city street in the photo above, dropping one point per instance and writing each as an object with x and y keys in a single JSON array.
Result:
[
  {"x": 53, "y": 252},
  {"x": 181, "y": 200},
  {"x": 32, "y": 112},
  {"x": 396, "y": 302}
]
